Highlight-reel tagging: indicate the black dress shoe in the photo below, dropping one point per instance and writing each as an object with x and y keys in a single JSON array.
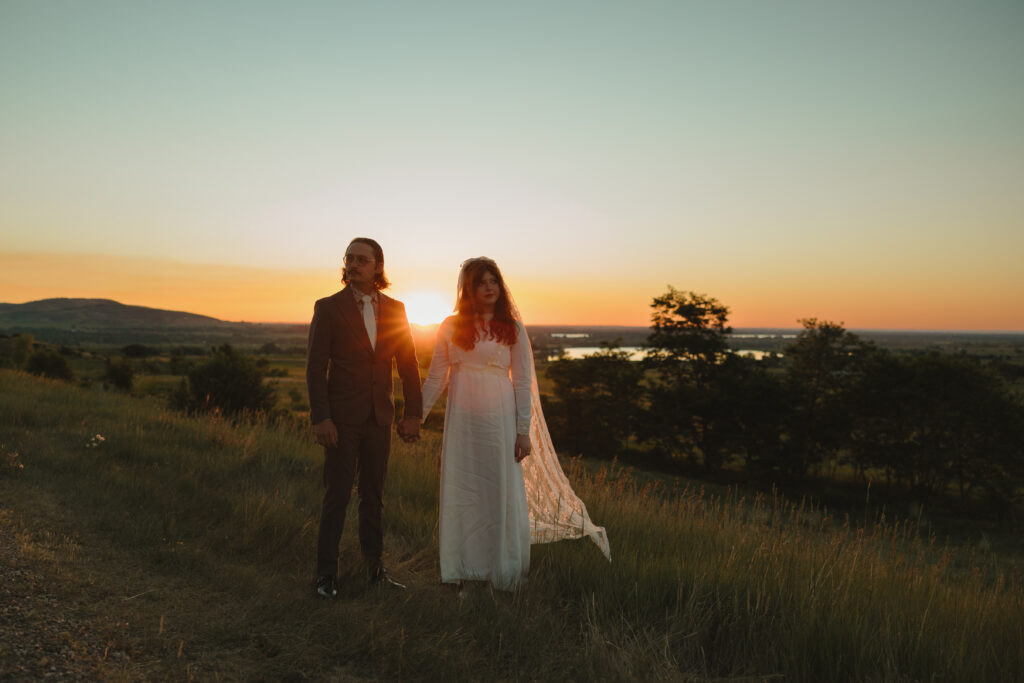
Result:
[
  {"x": 379, "y": 577},
  {"x": 326, "y": 587}
]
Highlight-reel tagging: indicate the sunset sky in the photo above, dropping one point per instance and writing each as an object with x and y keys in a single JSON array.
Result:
[{"x": 860, "y": 162}]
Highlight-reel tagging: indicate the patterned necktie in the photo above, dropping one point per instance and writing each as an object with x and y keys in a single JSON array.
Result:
[{"x": 369, "y": 320}]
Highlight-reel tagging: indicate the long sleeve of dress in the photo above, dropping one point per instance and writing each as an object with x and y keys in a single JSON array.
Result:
[
  {"x": 440, "y": 365},
  {"x": 522, "y": 379}
]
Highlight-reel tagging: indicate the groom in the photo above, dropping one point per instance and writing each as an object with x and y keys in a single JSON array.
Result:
[{"x": 355, "y": 338}]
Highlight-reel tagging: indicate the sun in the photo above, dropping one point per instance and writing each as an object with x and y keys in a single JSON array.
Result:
[{"x": 426, "y": 307}]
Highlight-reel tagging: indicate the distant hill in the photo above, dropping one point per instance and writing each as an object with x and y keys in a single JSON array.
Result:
[
  {"x": 107, "y": 322},
  {"x": 89, "y": 314},
  {"x": 103, "y": 322}
]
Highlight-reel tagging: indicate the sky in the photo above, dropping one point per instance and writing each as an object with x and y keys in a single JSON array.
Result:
[{"x": 859, "y": 162}]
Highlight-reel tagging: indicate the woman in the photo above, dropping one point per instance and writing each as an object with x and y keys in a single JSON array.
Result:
[{"x": 501, "y": 485}]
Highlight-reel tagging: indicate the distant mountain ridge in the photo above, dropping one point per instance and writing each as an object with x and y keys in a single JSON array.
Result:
[
  {"x": 65, "y": 313},
  {"x": 105, "y": 321}
]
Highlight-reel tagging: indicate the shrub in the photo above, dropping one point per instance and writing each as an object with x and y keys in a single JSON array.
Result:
[
  {"x": 227, "y": 382},
  {"x": 49, "y": 364},
  {"x": 21, "y": 349},
  {"x": 120, "y": 374},
  {"x": 138, "y": 351}
]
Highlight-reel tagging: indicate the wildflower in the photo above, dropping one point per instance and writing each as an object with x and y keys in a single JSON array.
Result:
[{"x": 10, "y": 460}]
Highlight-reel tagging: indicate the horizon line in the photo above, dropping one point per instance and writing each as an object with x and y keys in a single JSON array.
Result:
[
  {"x": 781, "y": 328},
  {"x": 735, "y": 328}
]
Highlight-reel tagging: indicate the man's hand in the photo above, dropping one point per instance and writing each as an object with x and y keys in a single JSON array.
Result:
[
  {"x": 522, "y": 446},
  {"x": 325, "y": 433},
  {"x": 409, "y": 429}
]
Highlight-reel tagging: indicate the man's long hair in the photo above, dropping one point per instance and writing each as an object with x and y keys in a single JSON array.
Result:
[
  {"x": 380, "y": 281},
  {"x": 503, "y": 327}
]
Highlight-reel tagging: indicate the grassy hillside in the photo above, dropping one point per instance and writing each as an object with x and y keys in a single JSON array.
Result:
[
  {"x": 96, "y": 313},
  {"x": 193, "y": 541},
  {"x": 102, "y": 322}
]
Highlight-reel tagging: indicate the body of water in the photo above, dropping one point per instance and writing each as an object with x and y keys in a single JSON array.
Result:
[{"x": 637, "y": 353}]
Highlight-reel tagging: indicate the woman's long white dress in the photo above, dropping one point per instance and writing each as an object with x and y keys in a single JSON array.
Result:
[{"x": 484, "y": 520}]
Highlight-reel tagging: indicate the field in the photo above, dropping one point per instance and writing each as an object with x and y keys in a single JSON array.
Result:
[{"x": 188, "y": 544}]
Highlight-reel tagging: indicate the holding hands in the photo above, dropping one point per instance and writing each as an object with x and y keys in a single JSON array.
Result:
[
  {"x": 522, "y": 446},
  {"x": 409, "y": 429},
  {"x": 326, "y": 434}
]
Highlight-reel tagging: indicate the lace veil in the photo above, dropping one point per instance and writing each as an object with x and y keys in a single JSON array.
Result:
[{"x": 556, "y": 512}]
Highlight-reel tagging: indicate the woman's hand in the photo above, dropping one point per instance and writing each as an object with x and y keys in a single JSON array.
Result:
[{"x": 522, "y": 446}]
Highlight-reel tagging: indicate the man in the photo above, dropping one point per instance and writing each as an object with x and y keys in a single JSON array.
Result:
[{"x": 354, "y": 339}]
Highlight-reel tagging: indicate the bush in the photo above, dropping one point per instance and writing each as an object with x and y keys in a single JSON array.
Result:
[
  {"x": 120, "y": 374},
  {"x": 49, "y": 364},
  {"x": 138, "y": 351},
  {"x": 21, "y": 349},
  {"x": 228, "y": 382},
  {"x": 596, "y": 397},
  {"x": 179, "y": 365}
]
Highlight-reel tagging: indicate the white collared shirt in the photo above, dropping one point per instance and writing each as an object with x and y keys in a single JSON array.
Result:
[{"x": 374, "y": 301}]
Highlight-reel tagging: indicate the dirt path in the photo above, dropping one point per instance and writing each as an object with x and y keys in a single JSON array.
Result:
[{"x": 40, "y": 639}]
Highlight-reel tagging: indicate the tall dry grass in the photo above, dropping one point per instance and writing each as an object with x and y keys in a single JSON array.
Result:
[{"x": 214, "y": 525}]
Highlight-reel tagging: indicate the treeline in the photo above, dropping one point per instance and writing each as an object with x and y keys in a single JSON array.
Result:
[
  {"x": 220, "y": 379},
  {"x": 932, "y": 424}
]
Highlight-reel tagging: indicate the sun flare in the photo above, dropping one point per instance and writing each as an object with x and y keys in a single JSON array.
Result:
[{"x": 426, "y": 307}]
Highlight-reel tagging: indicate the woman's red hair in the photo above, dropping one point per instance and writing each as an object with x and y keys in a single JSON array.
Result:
[{"x": 503, "y": 327}]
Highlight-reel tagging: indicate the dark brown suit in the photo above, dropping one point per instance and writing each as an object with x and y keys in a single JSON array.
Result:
[{"x": 351, "y": 382}]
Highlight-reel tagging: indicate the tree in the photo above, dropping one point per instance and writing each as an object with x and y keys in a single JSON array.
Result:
[
  {"x": 138, "y": 351},
  {"x": 178, "y": 364},
  {"x": 596, "y": 398},
  {"x": 687, "y": 352},
  {"x": 49, "y": 364},
  {"x": 934, "y": 420},
  {"x": 688, "y": 335},
  {"x": 1001, "y": 474},
  {"x": 120, "y": 374},
  {"x": 227, "y": 382},
  {"x": 824, "y": 362},
  {"x": 21, "y": 349},
  {"x": 758, "y": 407}
]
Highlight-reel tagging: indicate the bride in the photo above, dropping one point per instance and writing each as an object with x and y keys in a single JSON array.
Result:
[{"x": 502, "y": 487}]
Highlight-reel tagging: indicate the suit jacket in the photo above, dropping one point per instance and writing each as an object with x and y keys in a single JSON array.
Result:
[{"x": 346, "y": 377}]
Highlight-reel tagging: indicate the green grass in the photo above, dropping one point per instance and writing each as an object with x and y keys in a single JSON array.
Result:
[{"x": 192, "y": 541}]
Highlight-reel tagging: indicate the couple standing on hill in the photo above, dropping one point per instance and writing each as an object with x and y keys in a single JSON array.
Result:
[{"x": 502, "y": 487}]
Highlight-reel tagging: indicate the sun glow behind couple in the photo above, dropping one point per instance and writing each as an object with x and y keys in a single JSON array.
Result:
[{"x": 427, "y": 307}]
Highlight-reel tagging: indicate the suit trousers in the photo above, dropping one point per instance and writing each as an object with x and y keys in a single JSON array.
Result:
[{"x": 362, "y": 451}]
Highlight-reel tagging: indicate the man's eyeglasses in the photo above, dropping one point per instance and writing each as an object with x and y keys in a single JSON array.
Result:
[{"x": 357, "y": 258}]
